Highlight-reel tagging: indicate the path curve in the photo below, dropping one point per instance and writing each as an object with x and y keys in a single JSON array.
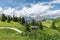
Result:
[{"x": 15, "y": 29}]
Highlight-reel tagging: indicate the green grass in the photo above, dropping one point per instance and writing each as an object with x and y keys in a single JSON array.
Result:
[
  {"x": 12, "y": 24},
  {"x": 47, "y": 23},
  {"x": 51, "y": 31},
  {"x": 45, "y": 34},
  {"x": 7, "y": 34}
]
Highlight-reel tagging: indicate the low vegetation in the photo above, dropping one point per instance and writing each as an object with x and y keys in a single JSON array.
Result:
[{"x": 46, "y": 29}]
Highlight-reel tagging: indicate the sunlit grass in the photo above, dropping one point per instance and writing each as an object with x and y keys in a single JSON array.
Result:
[{"x": 12, "y": 24}]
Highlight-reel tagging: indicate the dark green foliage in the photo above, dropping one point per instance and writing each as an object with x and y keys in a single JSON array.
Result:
[
  {"x": 34, "y": 34},
  {"x": 19, "y": 20},
  {"x": 9, "y": 19},
  {"x": 44, "y": 19},
  {"x": 3, "y": 18},
  {"x": 15, "y": 19},
  {"x": 43, "y": 35},
  {"x": 27, "y": 26},
  {"x": 40, "y": 25},
  {"x": 22, "y": 21},
  {"x": 53, "y": 25},
  {"x": 57, "y": 20},
  {"x": 33, "y": 22}
]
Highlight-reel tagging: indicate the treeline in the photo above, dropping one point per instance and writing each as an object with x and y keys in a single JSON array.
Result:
[
  {"x": 39, "y": 35},
  {"x": 8, "y": 18},
  {"x": 24, "y": 22}
]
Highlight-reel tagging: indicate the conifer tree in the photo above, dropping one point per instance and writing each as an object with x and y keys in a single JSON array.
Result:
[
  {"x": 19, "y": 20},
  {"x": 22, "y": 20},
  {"x": 40, "y": 25},
  {"x": 27, "y": 26},
  {"x": 33, "y": 22},
  {"x": 3, "y": 17},
  {"x": 15, "y": 19},
  {"x": 53, "y": 25},
  {"x": 8, "y": 19}
]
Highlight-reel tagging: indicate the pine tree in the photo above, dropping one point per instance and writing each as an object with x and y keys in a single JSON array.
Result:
[
  {"x": 33, "y": 22},
  {"x": 8, "y": 19},
  {"x": 27, "y": 26},
  {"x": 19, "y": 20},
  {"x": 40, "y": 25},
  {"x": 53, "y": 25},
  {"x": 23, "y": 21},
  {"x": 3, "y": 17},
  {"x": 15, "y": 19}
]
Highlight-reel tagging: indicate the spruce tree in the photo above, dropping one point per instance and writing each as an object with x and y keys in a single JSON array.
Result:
[
  {"x": 53, "y": 25},
  {"x": 27, "y": 26},
  {"x": 8, "y": 19},
  {"x": 23, "y": 21},
  {"x": 19, "y": 20},
  {"x": 40, "y": 25},
  {"x": 3, "y": 17},
  {"x": 15, "y": 19},
  {"x": 33, "y": 22}
]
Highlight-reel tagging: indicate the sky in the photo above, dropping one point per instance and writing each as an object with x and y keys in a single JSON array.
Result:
[{"x": 30, "y": 7}]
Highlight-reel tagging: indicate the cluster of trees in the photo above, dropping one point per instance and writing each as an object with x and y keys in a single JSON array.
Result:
[
  {"x": 14, "y": 18},
  {"x": 22, "y": 21}
]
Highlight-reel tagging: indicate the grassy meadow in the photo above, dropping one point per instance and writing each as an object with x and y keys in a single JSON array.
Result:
[
  {"x": 12, "y": 24},
  {"x": 45, "y": 34}
]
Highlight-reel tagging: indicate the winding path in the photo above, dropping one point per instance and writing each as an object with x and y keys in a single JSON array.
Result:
[{"x": 15, "y": 29}]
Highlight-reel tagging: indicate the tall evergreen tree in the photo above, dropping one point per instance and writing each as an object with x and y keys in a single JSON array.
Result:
[
  {"x": 53, "y": 25},
  {"x": 33, "y": 22},
  {"x": 19, "y": 20},
  {"x": 40, "y": 25},
  {"x": 15, "y": 19},
  {"x": 9, "y": 19},
  {"x": 27, "y": 26},
  {"x": 3, "y": 17},
  {"x": 22, "y": 20}
]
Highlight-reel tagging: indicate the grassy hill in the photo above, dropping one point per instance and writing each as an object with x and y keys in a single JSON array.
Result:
[
  {"x": 47, "y": 23},
  {"x": 45, "y": 34},
  {"x": 12, "y": 24},
  {"x": 7, "y": 34}
]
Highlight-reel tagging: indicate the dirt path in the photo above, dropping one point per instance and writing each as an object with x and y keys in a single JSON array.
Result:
[{"x": 15, "y": 29}]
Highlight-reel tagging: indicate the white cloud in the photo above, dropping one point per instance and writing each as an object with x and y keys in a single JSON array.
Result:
[
  {"x": 56, "y": 1},
  {"x": 35, "y": 9},
  {"x": 9, "y": 11},
  {"x": 53, "y": 2},
  {"x": 1, "y": 10},
  {"x": 53, "y": 12}
]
